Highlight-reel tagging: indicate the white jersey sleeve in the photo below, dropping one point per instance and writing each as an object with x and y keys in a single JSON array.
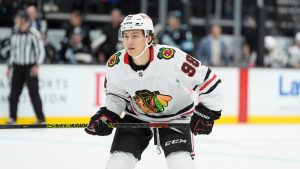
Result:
[
  {"x": 116, "y": 96},
  {"x": 201, "y": 79}
]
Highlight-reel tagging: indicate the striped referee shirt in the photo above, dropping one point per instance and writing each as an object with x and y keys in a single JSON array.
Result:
[{"x": 26, "y": 48}]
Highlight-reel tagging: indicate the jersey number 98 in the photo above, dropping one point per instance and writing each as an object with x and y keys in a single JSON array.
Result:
[{"x": 189, "y": 67}]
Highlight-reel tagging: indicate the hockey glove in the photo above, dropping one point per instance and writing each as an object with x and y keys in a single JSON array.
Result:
[
  {"x": 203, "y": 119},
  {"x": 99, "y": 122}
]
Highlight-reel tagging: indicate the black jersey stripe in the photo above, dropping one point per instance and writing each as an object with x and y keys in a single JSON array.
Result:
[
  {"x": 207, "y": 74},
  {"x": 206, "y": 77},
  {"x": 212, "y": 88},
  {"x": 195, "y": 87}
]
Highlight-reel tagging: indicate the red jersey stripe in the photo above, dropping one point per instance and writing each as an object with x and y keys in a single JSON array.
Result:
[{"x": 207, "y": 83}]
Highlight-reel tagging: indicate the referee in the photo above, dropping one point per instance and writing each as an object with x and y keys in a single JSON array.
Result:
[{"x": 27, "y": 52}]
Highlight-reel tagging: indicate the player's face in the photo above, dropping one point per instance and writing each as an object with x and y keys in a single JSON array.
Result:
[{"x": 134, "y": 41}]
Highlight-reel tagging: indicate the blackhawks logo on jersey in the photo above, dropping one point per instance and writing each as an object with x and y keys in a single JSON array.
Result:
[
  {"x": 151, "y": 102},
  {"x": 114, "y": 59},
  {"x": 166, "y": 53}
]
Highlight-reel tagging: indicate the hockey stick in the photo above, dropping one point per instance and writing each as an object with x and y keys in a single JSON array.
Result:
[{"x": 112, "y": 125}]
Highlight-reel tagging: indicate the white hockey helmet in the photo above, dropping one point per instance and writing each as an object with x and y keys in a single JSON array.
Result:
[
  {"x": 139, "y": 21},
  {"x": 269, "y": 42}
]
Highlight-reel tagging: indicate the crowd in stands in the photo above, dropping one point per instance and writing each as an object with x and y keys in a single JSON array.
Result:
[{"x": 77, "y": 47}]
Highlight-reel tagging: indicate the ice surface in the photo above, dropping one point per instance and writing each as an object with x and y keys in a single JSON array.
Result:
[{"x": 228, "y": 147}]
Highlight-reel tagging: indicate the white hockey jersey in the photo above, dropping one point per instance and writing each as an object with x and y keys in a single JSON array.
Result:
[{"x": 161, "y": 92}]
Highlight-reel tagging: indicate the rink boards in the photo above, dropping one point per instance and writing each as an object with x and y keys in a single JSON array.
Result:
[{"x": 73, "y": 93}]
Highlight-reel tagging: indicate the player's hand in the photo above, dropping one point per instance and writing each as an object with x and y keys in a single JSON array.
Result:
[
  {"x": 99, "y": 122},
  {"x": 203, "y": 119}
]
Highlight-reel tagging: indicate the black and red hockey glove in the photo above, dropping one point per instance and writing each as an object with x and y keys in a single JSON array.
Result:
[
  {"x": 99, "y": 122},
  {"x": 203, "y": 119}
]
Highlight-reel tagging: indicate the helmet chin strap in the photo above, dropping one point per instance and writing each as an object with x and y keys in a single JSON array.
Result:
[{"x": 146, "y": 47}]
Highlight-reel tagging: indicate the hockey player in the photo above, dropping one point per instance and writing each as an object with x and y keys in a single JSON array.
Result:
[{"x": 153, "y": 83}]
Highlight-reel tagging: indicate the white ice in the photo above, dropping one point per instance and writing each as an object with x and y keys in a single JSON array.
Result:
[{"x": 228, "y": 147}]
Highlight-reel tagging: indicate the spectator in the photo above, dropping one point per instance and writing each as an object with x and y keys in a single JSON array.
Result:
[
  {"x": 76, "y": 40},
  {"x": 248, "y": 58},
  {"x": 4, "y": 49},
  {"x": 75, "y": 51},
  {"x": 274, "y": 56},
  {"x": 249, "y": 31},
  {"x": 212, "y": 49},
  {"x": 177, "y": 34},
  {"x": 76, "y": 21},
  {"x": 110, "y": 34},
  {"x": 27, "y": 52},
  {"x": 294, "y": 53},
  {"x": 36, "y": 22}
]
